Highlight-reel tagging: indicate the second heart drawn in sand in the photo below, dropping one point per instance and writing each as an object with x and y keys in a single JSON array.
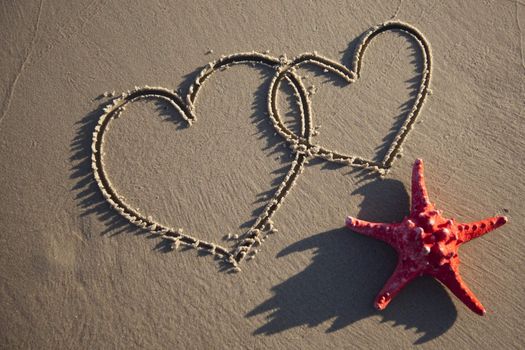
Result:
[{"x": 300, "y": 142}]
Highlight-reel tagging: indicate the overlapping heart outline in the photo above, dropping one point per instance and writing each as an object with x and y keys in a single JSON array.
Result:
[{"x": 300, "y": 143}]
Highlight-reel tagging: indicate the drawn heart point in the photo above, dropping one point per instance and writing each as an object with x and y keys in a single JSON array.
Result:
[
  {"x": 300, "y": 142},
  {"x": 304, "y": 144}
]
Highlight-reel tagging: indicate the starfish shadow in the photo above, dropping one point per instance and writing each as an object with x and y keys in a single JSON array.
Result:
[{"x": 347, "y": 270}]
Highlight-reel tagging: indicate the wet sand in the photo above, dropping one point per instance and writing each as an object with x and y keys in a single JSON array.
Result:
[{"x": 77, "y": 273}]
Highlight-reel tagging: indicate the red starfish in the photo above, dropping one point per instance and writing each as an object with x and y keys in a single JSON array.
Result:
[{"x": 427, "y": 244}]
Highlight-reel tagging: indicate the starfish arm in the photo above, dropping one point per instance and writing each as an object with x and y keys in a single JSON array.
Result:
[
  {"x": 379, "y": 231},
  {"x": 420, "y": 200},
  {"x": 401, "y": 277},
  {"x": 452, "y": 280},
  {"x": 469, "y": 231}
]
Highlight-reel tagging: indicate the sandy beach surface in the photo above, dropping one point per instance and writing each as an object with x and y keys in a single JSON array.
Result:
[{"x": 74, "y": 274}]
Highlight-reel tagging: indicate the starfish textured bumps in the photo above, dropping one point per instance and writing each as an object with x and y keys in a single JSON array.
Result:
[{"x": 427, "y": 244}]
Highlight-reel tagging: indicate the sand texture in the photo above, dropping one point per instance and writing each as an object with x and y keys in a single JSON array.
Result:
[{"x": 151, "y": 150}]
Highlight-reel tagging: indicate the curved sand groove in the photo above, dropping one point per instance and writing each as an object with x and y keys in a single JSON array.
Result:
[
  {"x": 351, "y": 75},
  {"x": 301, "y": 144}
]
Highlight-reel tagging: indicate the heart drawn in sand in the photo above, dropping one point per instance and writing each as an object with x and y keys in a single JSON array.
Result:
[{"x": 300, "y": 143}]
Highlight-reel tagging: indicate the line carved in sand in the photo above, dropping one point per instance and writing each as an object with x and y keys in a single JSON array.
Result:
[
  {"x": 301, "y": 143},
  {"x": 7, "y": 103}
]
